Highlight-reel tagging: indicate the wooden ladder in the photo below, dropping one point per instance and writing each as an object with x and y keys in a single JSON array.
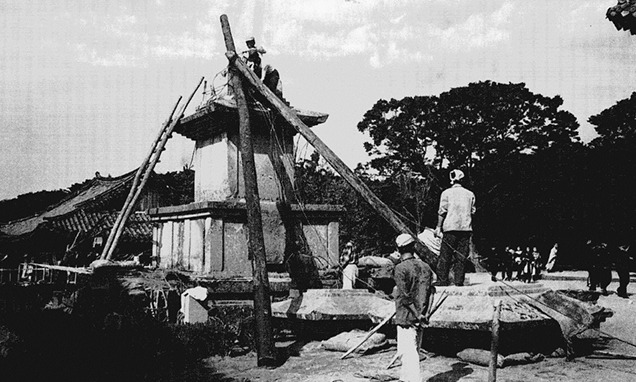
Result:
[{"x": 143, "y": 174}]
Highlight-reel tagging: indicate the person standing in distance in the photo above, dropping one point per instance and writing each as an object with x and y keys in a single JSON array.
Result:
[
  {"x": 413, "y": 280},
  {"x": 349, "y": 263},
  {"x": 456, "y": 209}
]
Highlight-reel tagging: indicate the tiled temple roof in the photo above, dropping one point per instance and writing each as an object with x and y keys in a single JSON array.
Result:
[
  {"x": 91, "y": 197},
  {"x": 138, "y": 227},
  {"x": 623, "y": 15}
]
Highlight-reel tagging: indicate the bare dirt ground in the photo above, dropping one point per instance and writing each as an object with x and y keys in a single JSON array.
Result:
[{"x": 310, "y": 363}]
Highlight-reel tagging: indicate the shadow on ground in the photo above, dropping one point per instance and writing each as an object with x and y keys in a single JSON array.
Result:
[{"x": 458, "y": 371}]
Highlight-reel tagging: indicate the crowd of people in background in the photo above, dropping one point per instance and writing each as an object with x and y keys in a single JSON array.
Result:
[
  {"x": 601, "y": 259},
  {"x": 515, "y": 263},
  {"x": 526, "y": 264}
]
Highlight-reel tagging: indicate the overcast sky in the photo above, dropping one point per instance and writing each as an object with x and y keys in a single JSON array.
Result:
[{"x": 85, "y": 85}]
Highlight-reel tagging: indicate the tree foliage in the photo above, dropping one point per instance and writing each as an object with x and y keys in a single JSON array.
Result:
[
  {"x": 173, "y": 188},
  {"x": 29, "y": 204},
  {"x": 464, "y": 126},
  {"x": 520, "y": 150}
]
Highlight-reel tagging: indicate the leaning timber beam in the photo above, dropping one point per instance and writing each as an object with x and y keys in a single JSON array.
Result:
[
  {"x": 265, "y": 347},
  {"x": 341, "y": 168}
]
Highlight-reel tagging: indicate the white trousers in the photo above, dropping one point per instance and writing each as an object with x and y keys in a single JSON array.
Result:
[
  {"x": 349, "y": 276},
  {"x": 408, "y": 348}
]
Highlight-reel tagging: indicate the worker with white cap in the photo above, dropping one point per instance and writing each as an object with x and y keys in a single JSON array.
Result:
[
  {"x": 413, "y": 280},
  {"x": 253, "y": 56},
  {"x": 456, "y": 208}
]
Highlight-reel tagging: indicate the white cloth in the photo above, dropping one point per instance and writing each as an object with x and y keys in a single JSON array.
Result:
[
  {"x": 408, "y": 349},
  {"x": 197, "y": 293},
  {"x": 551, "y": 259},
  {"x": 428, "y": 238},
  {"x": 349, "y": 276}
]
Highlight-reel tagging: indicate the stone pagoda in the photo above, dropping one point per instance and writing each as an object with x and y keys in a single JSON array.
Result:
[{"x": 209, "y": 236}]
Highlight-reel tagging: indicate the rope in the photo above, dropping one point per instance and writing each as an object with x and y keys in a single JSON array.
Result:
[
  {"x": 464, "y": 258},
  {"x": 301, "y": 203}
]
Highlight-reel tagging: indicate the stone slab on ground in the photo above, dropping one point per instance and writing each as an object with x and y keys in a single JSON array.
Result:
[{"x": 335, "y": 304}]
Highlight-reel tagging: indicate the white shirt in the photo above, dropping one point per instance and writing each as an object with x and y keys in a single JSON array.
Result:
[{"x": 457, "y": 205}]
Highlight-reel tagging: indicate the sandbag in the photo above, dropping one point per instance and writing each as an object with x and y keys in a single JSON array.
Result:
[
  {"x": 375, "y": 262},
  {"x": 479, "y": 357},
  {"x": 346, "y": 340},
  {"x": 522, "y": 358}
]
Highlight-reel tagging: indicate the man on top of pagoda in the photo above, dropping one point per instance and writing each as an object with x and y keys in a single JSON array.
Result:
[{"x": 253, "y": 56}]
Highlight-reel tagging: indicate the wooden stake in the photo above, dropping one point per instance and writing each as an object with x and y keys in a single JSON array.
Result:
[
  {"x": 262, "y": 306},
  {"x": 338, "y": 165},
  {"x": 494, "y": 344}
]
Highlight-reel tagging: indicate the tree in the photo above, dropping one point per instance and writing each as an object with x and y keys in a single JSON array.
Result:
[
  {"x": 464, "y": 126},
  {"x": 617, "y": 124},
  {"x": 318, "y": 184},
  {"x": 492, "y": 120},
  {"x": 29, "y": 204},
  {"x": 403, "y": 134},
  {"x": 515, "y": 145},
  {"x": 611, "y": 165}
]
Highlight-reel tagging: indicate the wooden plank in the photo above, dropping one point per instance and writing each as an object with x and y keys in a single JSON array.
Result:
[{"x": 339, "y": 166}]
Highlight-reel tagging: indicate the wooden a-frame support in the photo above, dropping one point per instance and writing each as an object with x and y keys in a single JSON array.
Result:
[{"x": 290, "y": 116}]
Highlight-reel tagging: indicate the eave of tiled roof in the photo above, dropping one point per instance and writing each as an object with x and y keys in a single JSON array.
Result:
[
  {"x": 623, "y": 15},
  {"x": 138, "y": 227},
  {"x": 96, "y": 193}
]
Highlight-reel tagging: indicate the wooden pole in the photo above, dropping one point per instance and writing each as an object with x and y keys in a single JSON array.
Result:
[
  {"x": 140, "y": 170},
  {"x": 338, "y": 165},
  {"x": 136, "y": 189},
  {"x": 256, "y": 243},
  {"x": 494, "y": 344},
  {"x": 371, "y": 332}
]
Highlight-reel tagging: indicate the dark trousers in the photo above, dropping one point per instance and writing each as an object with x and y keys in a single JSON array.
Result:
[
  {"x": 623, "y": 280},
  {"x": 622, "y": 268},
  {"x": 453, "y": 254},
  {"x": 506, "y": 270},
  {"x": 600, "y": 276}
]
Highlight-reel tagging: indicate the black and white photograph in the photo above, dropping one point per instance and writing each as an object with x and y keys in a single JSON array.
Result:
[{"x": 317, "y": 190}]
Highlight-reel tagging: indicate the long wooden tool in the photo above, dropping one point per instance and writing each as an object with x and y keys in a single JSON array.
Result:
[
  {"x": 371, "y": 332},
  {"x": 338, "y": 165}
]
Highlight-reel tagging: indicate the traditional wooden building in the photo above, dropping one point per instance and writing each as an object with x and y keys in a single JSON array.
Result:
[
  {"x": 73, "y": 231},
  {"x": 623, "y": 15}
]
